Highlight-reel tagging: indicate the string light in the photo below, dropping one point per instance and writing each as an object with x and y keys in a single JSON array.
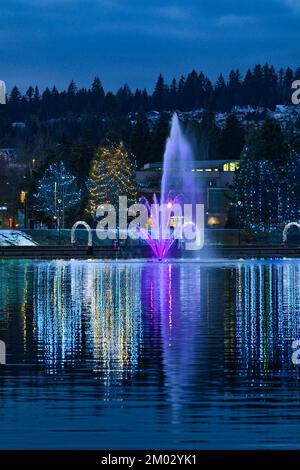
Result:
[
  {"x": 111, "y": 176},
  {"x": 268, "y": 191},
  {"x": 57, "y": 190}
]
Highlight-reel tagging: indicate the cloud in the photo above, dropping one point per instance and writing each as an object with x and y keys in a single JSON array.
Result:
[
  {"x": 294, "y": 4},
  {"x": 236, "y": 20},
  {"x": 53, "y": 40},
  {"x": 172, "y": 12},
  {"x": 108, "y": 4}
]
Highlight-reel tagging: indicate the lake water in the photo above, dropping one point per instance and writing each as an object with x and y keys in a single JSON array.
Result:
[{"x": 147, "y": 355}]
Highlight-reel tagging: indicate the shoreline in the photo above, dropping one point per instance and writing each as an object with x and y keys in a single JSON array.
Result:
[{"x": 141, "y": 252}]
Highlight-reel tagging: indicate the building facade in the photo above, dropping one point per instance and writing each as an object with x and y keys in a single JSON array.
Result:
[{"x": 213, "y": 178}]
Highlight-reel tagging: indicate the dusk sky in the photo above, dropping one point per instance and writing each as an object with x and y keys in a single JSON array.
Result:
[{"x": 49, "y": 42}]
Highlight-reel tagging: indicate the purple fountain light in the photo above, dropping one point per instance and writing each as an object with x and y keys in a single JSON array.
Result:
[{"x": 177, "y": 187}]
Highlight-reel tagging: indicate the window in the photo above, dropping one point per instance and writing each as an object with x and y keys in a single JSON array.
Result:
[{"x": 231, "y": 166}]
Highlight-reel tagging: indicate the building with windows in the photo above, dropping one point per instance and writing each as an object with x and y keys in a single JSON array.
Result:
[
  {"x": 12, "y": 180},
  {"x": 214, "y": 178}
]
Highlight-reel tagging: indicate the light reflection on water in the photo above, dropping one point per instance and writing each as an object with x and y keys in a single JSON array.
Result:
[
  {"x": 83, "y": 311},
  {"x": 108, "y": 355}
]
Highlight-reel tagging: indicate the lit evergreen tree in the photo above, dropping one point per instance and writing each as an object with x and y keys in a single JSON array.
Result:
[
  {"x": 266, "y": 194},
  {"x": 266, "y": 187},
  {"x": 57, "y": 192},
  {"x": 111, "y": 176}
]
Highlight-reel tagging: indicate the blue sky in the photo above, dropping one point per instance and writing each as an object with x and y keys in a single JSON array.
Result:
[{"x": 48, "y": 42}]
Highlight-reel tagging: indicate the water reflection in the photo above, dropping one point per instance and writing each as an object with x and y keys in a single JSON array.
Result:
[
  {"x": 265, "y": 315},
  {"x": 169, "y": 355},
  {"x": 88, "y": 312},
  {"x": 75, "y": 311},
  {"x": 175, "y": 322}
]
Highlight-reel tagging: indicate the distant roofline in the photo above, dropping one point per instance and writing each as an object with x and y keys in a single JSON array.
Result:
[{"x": 196, "y": 163}]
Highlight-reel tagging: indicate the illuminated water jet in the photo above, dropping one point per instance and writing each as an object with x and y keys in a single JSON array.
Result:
[{"x": 178, "y": 187}]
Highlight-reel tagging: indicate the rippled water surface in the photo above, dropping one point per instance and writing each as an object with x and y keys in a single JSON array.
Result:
[{"x": 149, "y": 355}]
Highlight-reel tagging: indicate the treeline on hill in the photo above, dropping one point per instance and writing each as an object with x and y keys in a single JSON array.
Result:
[
  {"x": 70, "y": 125},
  {"x": 262, "y": 86},
  {"x": 269, "y": 165},
  {"x": 75, "y": 142}
]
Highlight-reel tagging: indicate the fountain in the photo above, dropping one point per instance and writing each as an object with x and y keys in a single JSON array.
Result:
[{"x": 178, "y": 187}]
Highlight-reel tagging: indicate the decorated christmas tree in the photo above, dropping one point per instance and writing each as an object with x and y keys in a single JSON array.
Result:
[
  {"x": 111, "y": 176},
  {"x": 57, "y": 192},
  {"x": 266, "y": 194}
]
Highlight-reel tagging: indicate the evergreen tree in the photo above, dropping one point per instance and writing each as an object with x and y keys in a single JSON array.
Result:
[
  {"x": 158, "y": 140},
  {"x": 111, "y": 176},
  {"x": 181, "y": 94},
  {"x": 140, "y": 141},
  {"x": 145, "y": 101},
  {"x": 124, "y": 100},
  {"x": 209, "y": 138},
  {"x": 72, "y": 89},
  {"x": 29, "y": 94},
  {"x": 257, "y": 86},
  {"x": 231, "y": 139},
  {"x": 15, "y": 96},
  {"x": 268, "y": 143},
  {"x": 47, "y": 103},
  {"x": 110, "y": 104},
  {"x": 36, "y": 97},
  {"x": 270, "y": 87},
  {"x": 15, "y": 100},
  {"x": 97, "y": 97},
  {"x": 234, "y": 88},
  {"x": 220, "y": 94},
  {"x": 287, "y": 85},
  {"x": 159, "y": 94},
  {"x": 247, "y": 89},
  {"x": 266, "y": 184},
  {"x": 266, "y": 194},
  {"x": 172, "y": 95},
  {"x": 191, "y": 91},
  {"x": 78, "y": 158}
]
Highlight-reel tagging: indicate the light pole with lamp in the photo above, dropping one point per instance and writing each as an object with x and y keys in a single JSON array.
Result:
[
  {"x": 23, "y": 200},
  {"x": 239, "y": 204},
  {"x": 59, "y": 201}
]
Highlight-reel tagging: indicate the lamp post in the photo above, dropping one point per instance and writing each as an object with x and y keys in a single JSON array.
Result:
[
  {"x": 63, "y": 200},
  {"x": 239, "y": 204},
  {"x": 55, "y": 203},
  {"x": 32, "y": 166},
  {"x": 59, "y": 201},
  {"x": 2, "y": 216},
  {"x": 23, "y": 200}
]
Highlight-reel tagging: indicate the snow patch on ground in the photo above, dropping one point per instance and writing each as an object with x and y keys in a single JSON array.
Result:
[{"x": 15, "y": 238}]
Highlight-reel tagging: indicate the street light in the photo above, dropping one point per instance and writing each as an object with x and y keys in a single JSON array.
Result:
[
  {"x": 59, "y": 201},
  {"x": 239, "y": 204},
  {"x": 4, "y": 209},
  {"x": 23, "y": 200}
]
